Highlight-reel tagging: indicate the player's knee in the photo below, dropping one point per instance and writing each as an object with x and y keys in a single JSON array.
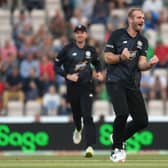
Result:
[
  {"x": 142, "y": 123},
  {"x": 123, "y": 116}
]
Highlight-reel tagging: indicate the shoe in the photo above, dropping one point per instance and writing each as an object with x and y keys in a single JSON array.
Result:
[
  {"x": 89, "y": 152},
  {"x": 111, "y": 138},
  {"x": 118, "y": 155},
  {"x": 77, "y": 136},
  {"x": 123, "y": 145}
]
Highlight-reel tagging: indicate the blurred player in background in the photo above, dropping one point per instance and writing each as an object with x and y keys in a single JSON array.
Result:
[
  {"x": 125, "y": 56},
  {"x": 76, "y": 59}
]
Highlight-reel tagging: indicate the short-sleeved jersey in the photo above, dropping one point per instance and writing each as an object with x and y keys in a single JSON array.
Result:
[
  {"x": 73, "y": 59},
  {"x": 125, "y": 71}
]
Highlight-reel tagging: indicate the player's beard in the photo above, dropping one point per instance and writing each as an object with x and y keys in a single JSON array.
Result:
[{"x": 136, "y": 27}]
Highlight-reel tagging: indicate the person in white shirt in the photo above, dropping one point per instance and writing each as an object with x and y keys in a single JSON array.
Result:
[{"x": 51, "y": 101}]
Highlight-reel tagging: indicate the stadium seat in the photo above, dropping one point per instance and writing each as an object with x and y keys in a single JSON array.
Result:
[
  {"x": 4, "y": 14},
  {"x": 15, "y": 108},
  {"x": 32, "y": 108},
  {"x": 156, "y": 107},
  {"x": 5, "y": 28},
  {"x": 102, "y": 108},
  {"x": 118, "y": 12},
  {"x": 38, "y": 18},
  {"x": 97, "y": 32},
  {"x": 51, "y": 5}
]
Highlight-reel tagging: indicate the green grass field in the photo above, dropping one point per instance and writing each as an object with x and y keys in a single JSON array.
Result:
[{"x": 78, "y": 161}]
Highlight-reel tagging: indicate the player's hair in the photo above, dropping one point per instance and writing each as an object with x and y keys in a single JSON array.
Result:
[{"x": 132, "y": 10}]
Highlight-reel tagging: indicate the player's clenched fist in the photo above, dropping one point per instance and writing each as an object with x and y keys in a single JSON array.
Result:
[
  {"x": 154, "y": 60},
  {"x": 125, "y": 55}
]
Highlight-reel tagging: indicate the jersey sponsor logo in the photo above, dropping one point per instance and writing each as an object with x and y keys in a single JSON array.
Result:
[
  {"x": 125, "y": 42},
  {"x": 87, "y": 54},
  {"x": 132, "y": 55},
  {"x": 74, "y": 54},
  {"x": 139, "y": 44},
  {"x": 109, "y": 46},
  {"x": 81, "y": 66}
]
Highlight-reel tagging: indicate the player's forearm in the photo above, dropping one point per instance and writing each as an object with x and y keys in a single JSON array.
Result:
[
  {"x": 59, "y": 70},
  {"x": 144, "y": 66},
  {"x": 110, "y": 58}
]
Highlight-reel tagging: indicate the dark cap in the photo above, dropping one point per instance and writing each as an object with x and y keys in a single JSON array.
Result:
[{"x": 80, "y": 28}]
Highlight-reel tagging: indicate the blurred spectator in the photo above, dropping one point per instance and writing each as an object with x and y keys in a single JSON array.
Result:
[
  {"x": 153, "y": 5},
  {"x": 8, "y": 49},
  {"x": 77, "y": 19},
  {"x": 51, "y": 101},
  {"x": 109, "y": 30},
  {"x": 120, "y": 4},
  {"x": 32, "y": 85},
  {"x": 27, "y": 47},
  {"x": 45, "y": 83},
  {"x": 58, "y": 44},
  {"x": 46, "y": 66},
  {"x": 64, "y": 108},
  {"x": 57, "y": 25},
  {"x": 47, "y": 47},
  {"x": 134, "y": 3},
  {"x": 117, "y": 19},
  {"x": 151, "y": 20},
  {"x": 161, "y": 51},
  {"x": 40, "y": 36},
  {"x": 68, "y": 8},
  {"x": 13, "y": 5},
  {"x": 34, "y": 4},
  {"x": 86, "y": 7},
  {"x": 100, "y": 12},
  {"x": 158, "y": 85},
  {"x": 163, "y": 16},
  {"x": 25, "y": 31},
  {"x": 145, "y": 85},
  {"x": 28, "y": 63},
  {"x": 13, "y": 87},
  {"x": 32, "y": 93},
  {"x": 9, "y": 63},
  {"x": 21, "y": 25}
]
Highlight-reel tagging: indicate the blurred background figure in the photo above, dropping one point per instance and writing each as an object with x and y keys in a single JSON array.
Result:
[
  {"x": 13, "y": 87},
  {"x": 33, "y": 32},
  {"x": 51, "y": 101}
]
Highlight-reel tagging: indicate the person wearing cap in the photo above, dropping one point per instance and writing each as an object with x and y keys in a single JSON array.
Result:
[{"x": 77, "y": 59}]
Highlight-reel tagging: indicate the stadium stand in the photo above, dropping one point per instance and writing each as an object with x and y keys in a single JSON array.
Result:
[{"x": 45, "y": 28}]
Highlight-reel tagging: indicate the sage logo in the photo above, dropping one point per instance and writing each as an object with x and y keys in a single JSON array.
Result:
[
  {"x": 27, "y": 141},
  {"x": 133, "y": 144}
]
